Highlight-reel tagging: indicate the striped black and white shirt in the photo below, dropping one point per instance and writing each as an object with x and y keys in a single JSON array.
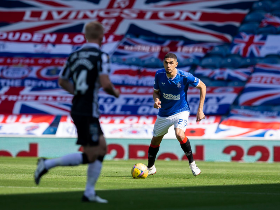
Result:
[{"x": 83, "y": 67}]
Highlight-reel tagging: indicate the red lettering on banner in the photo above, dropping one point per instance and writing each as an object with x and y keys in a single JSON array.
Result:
[
  {"x": 276, "y": 154},
  {"x": 167, "y": 155},
  {"x": 33, "y": 151},
  {"x": 5, "y": 153},
  {"x": 263, "y": 150},
  {"x": 119, "y": 150},
  {"x": 133, "y": 151},
  {"x": 198, "y": 155},
  {"x": 239, "y": 152},
  {"x": 32, "y": 61}
]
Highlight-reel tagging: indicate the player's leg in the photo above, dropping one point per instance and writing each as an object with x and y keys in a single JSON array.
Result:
[
  {"x": 161, "y": 127},
  {"x": 180, "y": 128},
  {"x": 96, "y": 155},
  {"x": 152, "y": 153},
  {"x": 74, "y": 159}
]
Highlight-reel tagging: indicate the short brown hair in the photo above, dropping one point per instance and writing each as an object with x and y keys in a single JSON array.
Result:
[
  {"x": 93, "y": 30},
  {"x": 170, "y": 55}
]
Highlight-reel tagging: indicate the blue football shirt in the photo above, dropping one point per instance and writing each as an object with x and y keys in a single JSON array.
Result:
[{"x": 173, "y": 92}]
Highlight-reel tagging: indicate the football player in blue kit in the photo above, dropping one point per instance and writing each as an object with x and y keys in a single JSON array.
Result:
[{"x": 170, "y": 96}]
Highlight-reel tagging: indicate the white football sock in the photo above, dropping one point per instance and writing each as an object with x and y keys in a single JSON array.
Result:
[
  {"x": 67, "y": 160},
  {"x": 93, "y": 173}
]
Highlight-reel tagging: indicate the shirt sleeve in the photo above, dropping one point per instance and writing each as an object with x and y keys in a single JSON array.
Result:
[
  {"x": 156, "y": 86},
  {"x": 65, "y": 72},
  {"x": 192, "y": 80},
  {"x": 105, "y": 64}
]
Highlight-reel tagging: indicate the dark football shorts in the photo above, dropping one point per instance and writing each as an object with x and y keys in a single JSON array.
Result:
[{"x": 88, "y": 129}]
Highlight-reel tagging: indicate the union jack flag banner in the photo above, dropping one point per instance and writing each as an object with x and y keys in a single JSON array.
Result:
[
  {"x": 250, "y": 45},
  {"x": 270, "y": 20},
  {"x": 203, "y": 20},
  {"x": 241, "y": 74},
  {"x": 263, "y": 87},
  {"x": 143, "y": 49},
  {"x": 241, "y": 126},
  {"x": 134, "y": 75}
]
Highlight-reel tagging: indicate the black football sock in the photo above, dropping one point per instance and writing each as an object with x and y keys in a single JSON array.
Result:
[
  {"x": 186, "y": 147},
  {"x": 152, "y": 153}
]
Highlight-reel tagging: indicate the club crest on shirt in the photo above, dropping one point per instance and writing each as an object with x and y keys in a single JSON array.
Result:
[
  {"x": 179, "y": 85},
  {"x": 163, "y": 83}
]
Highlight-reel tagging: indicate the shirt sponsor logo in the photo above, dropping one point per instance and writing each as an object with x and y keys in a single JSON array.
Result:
[{"x": 171, "y": 97}]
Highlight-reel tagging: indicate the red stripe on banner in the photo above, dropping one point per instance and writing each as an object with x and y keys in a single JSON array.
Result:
[
  {"x": 188, "y": 29},
  {"x": 255, "y": 125},
  {"x": 42, "y": 27},
  {"x": 254, "y": 100},
  {"x": 52, "y": 3}
]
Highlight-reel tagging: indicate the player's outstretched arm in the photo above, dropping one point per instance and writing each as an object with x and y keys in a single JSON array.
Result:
[
  {"x": 156, "y": 97},
  {"x": 107, "y": 85},
  {"x": 200, "y": 115},
  {"x": 66, "y": 85}
]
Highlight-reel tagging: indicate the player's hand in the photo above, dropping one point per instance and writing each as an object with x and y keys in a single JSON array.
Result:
[
  {"x": 199, "y": 116},
  {"x": 157, "y": 104},
  {"x": 117, "y": 93}
]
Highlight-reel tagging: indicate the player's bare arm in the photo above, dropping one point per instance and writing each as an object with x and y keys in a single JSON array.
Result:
[
  {"x": 156, "y": 97},
  {"x": 66, "y": 85},
  {"x": 107, "y": 85},
  {"x": 202, "y": 87}
]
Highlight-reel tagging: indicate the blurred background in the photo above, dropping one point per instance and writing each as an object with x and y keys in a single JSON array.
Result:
[{"x": 233, "y": 46}]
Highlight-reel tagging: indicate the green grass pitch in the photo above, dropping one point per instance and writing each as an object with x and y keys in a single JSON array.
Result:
[{"x": 219, "y": 186}]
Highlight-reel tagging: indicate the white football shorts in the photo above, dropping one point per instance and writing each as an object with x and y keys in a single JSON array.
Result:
[{"x": 179, "y": 120}]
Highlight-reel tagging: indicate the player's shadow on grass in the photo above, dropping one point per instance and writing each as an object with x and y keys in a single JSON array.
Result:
[{"x": 264, "y": 196}]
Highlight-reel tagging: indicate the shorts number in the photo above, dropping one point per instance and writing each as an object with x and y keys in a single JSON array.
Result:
[
  {"x": 184, "y": 122},
  {"x": 81, "y": 83}
]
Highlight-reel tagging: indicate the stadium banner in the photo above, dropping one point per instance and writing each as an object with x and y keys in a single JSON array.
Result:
[
  {"x": 24, "y": 124},
  {"x": 139, "y": 126},
  {"x": 254, "y": 113},
  {"x": 243, "y": 126},
  {"x": 29, "y": 75},
  {"x": 250, "y": 45},
  {"x": 35, "y": 100},
  {"x": 209, "y": 20},
  {"x": 45, "y": 49},
  {"x": 263, "y": 87},
  {"x": 241, "y": 74},
  {"x": 147, "y": 48},
  {"x": 23, "y": 61},
  {"x": 270, "y": 20},
  {"x": 132, "y": 101},
  {"x": 139, "y": 101},
  {"x": 137, "y": 149},
  {"x": 134, "y": 75}
]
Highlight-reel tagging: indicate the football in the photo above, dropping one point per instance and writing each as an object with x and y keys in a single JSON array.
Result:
[{"x": 139, "y": 171}]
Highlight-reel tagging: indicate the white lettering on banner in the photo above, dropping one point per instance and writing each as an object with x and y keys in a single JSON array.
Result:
[
  {"x": 111, "y": 13},
  {"x": 40, "y": 83},
  {"x": 127, "y": 120},
  {"x": 10, "y": 82}
]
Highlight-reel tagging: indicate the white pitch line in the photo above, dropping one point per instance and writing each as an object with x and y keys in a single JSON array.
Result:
[{"x": 167, "y": 191}]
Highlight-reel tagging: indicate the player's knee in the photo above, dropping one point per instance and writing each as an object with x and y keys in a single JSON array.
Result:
[{"x": 180, "y": 136}]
